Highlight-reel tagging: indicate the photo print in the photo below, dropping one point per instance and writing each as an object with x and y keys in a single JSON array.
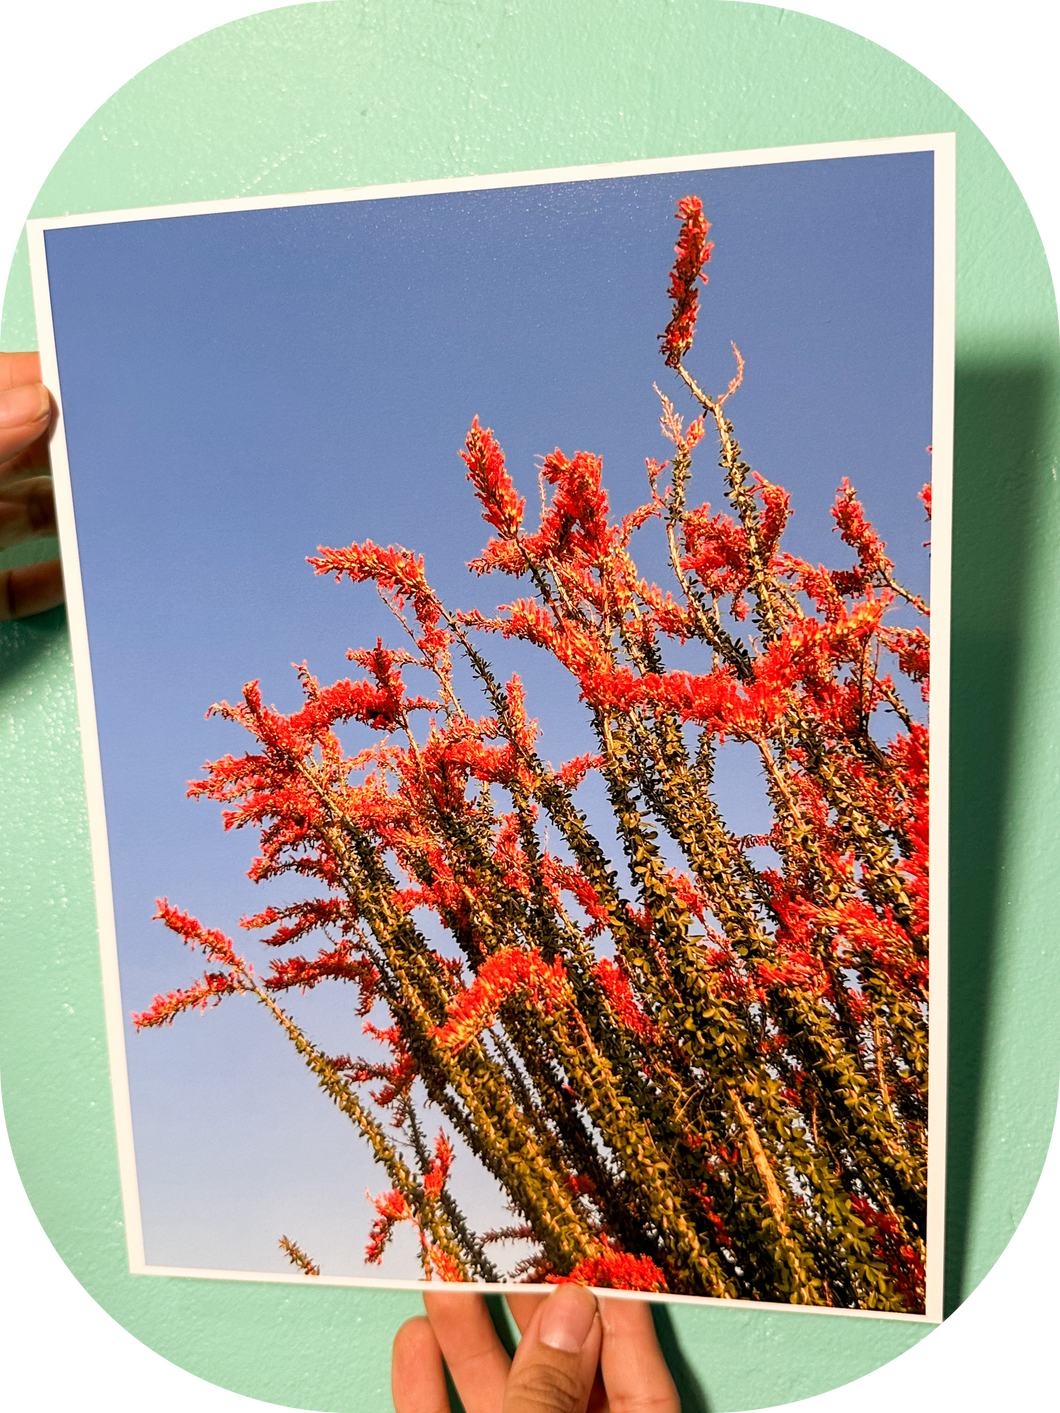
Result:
[{"x": 543, "y": 567}]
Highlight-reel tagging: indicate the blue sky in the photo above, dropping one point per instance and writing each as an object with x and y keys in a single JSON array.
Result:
[{"x": 240, "y": 388}]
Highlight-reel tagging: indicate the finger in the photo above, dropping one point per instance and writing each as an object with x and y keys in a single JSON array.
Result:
[
  {"x": 631, "y": 1362},
  {"x": 30, "y": 590},
  {"x": 27, "y": 510},
  {"x": 25, "y": 412},
  {"x": 417, "y": 1377},
  {"x": 522, "y": 1307},
  {"x": 471, "y": 1348},
  {"x": 16, "y": 368},
  {"x": 33, "y": 460},
  {"x": 555, "y": 1364}
]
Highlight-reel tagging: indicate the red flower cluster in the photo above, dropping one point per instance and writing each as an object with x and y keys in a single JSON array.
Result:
[
  {"x": 394, "y": 1207},
  {"x": 615, "y": 985},
  {"x": 502, "y": 506},
  {"x": 692, "y": 251},
  {"x": 616, "y": 1270},
  {"x": 506, "y": 976}
]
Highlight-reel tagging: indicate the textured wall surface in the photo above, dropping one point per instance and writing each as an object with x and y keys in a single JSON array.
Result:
[{"x": 353, "y": 92}]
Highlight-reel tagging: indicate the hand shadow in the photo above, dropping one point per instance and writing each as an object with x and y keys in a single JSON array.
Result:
[{"x": 689, "y": 1389}]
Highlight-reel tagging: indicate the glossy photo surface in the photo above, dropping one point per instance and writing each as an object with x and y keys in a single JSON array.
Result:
[{"x": 585, "y": 933}]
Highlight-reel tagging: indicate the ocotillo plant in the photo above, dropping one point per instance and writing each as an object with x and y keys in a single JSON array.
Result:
[{"x": 704, "y": 1079}]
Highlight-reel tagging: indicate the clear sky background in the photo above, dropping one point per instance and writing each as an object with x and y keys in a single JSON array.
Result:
[{"x": 241, "y": 388}]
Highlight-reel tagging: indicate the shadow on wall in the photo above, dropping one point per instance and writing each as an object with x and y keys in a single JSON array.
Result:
[
  {"x": 689, "y": 1389},
  {"x": 999, "y": 421}
]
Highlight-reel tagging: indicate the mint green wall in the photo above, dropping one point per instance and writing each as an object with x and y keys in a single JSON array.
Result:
[{"x": 353, "y": 92}]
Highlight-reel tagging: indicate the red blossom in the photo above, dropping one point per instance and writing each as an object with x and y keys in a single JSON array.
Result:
[
  {"x": 720, "y": 1231},
  {"x": 573, "y": 772},
  {"x": 502, "y": 506},
  {"x": 615, "y": 985},
  {"x": 299, "y": 919},
  {"x": 215, "y": 944},
  {"x": 716, "y": 552},
  {"x": 341, "y": 964},
  {"x": 692, "y": 251},
  {"x": 856, "y": 531},
  {"x": 507, "y": 974},
  {"x": 442, "y": 1264},
  {"x": 213, "y": 987},
  {"x": 434, "y": 1178},
  {"x": 397, "y": 1074},
  {"x": 616, "y": 1270},
  {"x": 583, "y": 1186},
  {"x": 392, "y": 1208}
]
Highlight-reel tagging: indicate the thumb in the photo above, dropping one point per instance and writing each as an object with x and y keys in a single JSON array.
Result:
[{"x": 555, "y": 1363}]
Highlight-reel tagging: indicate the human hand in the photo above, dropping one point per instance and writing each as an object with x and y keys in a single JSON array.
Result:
[
  {"x": 27, "y": 509},
  {"x": 575, "y": 1354}
]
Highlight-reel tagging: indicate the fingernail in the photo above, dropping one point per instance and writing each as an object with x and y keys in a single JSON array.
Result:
[
  {"x": 567, "y": 1318},
  {"x": 27, "y": 403}
]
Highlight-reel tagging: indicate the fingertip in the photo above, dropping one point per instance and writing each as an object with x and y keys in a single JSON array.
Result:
[
  {"x": 27, "y": 406},
  {"x": 415, "y": 1335},
  {"x": 567, "y": 1317},
  {"x": 624, "y": 1318},
  {"x": 556, "y": 1362},
  {"x": 634, "y": 1369},
  {"x": 34, "y": 588},
  {"x": 25, "y": 417},
  {"x": 474, "y": 1355},
  {"x": 417, "y": 1374}
]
